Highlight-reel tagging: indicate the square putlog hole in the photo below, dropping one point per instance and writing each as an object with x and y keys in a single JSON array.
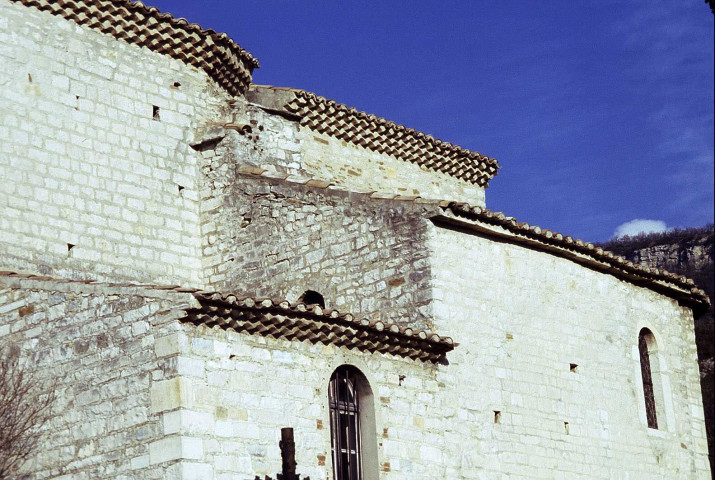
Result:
[{"x": 573, "y": 367}]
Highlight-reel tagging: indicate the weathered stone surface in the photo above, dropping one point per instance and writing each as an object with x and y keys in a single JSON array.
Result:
[
  {"x": 344, "y": 246},
  {"x": 104, "y": 370},
  {"x": 84, "y": 162},
  {"x": 516, "y": 357},
  {"x": 213, "y": 192}
]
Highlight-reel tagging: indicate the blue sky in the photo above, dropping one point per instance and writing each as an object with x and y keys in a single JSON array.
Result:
[{"x": 600, "y": 112}]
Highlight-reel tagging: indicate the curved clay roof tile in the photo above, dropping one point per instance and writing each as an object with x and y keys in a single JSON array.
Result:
[
  {"x": 327, "y": 116},
  {"x": 135, "y": 23}
]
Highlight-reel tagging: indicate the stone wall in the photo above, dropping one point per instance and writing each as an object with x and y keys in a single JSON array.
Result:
[
  {"x": 95, "y": 345},
  {"x": 357, "y": 168},
  {"x": 100, "y": 181},
  {"x": 276, "y": 238},
  {"x": 522, "y": 318},
  {"x": 281, "y": 144},
  {"x": 98, "y": 177},
  {"x": 206, "y": 403},
  {"x": 242, "y": 389}
]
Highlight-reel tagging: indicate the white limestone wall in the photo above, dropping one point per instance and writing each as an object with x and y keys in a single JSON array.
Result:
[
  {"x": 236, "y": 391},
  {"x": 354, "y": 167},
  {"x": 282, "y": 145},
  {"x": 522, "y": 318},
  {"x": 93, "y": 345},
  {"x": 84, "y": 162}
]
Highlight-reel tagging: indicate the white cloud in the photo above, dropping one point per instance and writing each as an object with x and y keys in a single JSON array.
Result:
[{"x": 640, "y": 225}]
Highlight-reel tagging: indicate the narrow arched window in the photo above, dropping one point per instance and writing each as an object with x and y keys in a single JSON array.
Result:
[
  {"x": 352, "y": 425},
  {"x": 646, "y": 347}
]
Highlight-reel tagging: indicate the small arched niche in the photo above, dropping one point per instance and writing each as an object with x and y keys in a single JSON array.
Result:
[
  {"x": 311, "y": 297},
  {"x": 353, "y": 435}
]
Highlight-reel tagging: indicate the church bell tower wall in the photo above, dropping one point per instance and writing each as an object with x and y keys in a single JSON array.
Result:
[{"x": 98, "y": 177}]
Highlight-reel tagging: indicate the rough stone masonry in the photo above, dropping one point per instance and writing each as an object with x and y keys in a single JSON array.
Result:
[{"x": 164, "y": 223}]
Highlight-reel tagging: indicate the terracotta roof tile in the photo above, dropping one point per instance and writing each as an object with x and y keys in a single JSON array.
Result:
[
  {"x": 377, "y": 134},
  {"x": 133, "y": 22},
  {"x": 280, "y": 319}
]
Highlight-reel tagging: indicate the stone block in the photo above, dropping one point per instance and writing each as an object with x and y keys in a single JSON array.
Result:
[
  {"x": 196, "y": 471},
  {"x": 170, "y": 394},
  {"x": 172, "y": 344},
  {"x": 175, "y": 448}
]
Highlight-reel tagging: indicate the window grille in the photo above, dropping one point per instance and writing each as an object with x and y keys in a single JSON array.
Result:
[
  {"x": 344, "y": 403},
  {"x": 648, "y": 392}
]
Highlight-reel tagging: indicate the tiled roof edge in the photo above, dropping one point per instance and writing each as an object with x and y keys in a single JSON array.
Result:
[
  {"x": 654, "y": 278},
  {"x": 380, "y": 135},
  {"x": 280, "y": 319},
  {"x": 215, "y": 53},
  {"x": 314, "y": 324}
]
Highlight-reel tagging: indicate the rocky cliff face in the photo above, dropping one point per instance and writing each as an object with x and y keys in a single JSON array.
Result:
[
  {"x": 688, "y": 252},
  {"x": 677, "y": 257}
]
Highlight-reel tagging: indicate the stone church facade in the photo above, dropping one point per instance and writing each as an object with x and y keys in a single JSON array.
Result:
[{"x": 198, "y": 261}]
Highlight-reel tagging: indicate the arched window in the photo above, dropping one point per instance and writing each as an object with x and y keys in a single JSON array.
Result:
[
  {"x": 353, "y": 441},
  {"x": 311, "y": 297},
  {"x": 646, "y": 349}
]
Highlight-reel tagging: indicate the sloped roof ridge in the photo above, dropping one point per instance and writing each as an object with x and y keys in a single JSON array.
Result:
[
  {"x": 384, "y": 136},
  {"x": 317, "y": 312},
  {"x": 215, "y": 53},
  {"x": 566, "y": 241},
  {"x": 281, "y": 319}
]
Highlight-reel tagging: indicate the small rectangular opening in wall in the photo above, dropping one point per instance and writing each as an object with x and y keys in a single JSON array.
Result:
[
  {"x": 155, "y": 114},
  {"x": 566, "y": 428},
  {"x": 497, "y": 416},
  {"x": 70, "y": 246},
  {"x": 573, "y": 367}
]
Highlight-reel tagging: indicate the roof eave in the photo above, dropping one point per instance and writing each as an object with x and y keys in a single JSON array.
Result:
[{"x": 683, "y": 294}]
